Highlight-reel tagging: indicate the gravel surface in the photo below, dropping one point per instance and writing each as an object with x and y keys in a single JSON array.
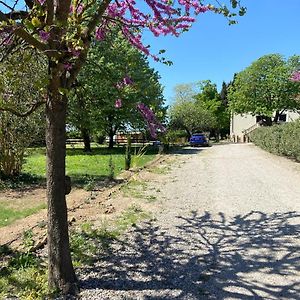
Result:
[{"x": 229, "y": 229}]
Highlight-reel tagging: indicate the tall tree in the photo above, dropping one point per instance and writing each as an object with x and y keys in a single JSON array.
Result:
[
  {"x": 114, "y": 80},
  {"x": 191, "y": 117},
  {"x": 62, "y": 30},
  {"x": 211, "y": 100},
  {"x": 265, "y": 88}
]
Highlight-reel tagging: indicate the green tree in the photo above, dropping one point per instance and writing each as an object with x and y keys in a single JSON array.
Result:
[
  {"x": 92, "y": 107},
  {"x": 21, "y": 75},
  {"x": 191, "y": 117},
  {"x": 212, "y": 101},
  {"x": 265, "y": 88}
]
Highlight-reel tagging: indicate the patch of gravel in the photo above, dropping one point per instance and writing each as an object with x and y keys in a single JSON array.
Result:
[{"x": 229, "y": 229}]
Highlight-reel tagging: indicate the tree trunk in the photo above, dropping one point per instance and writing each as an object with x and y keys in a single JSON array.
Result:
[
  {"x": 217, "y": 134},
  {"x": 189, "y": 134},
  {"x": 86, "y": 140},
  {"x": 111, "y": 139},
  {"x": 61, "y": 272},
  {"x": 276, "y": 117},
  {"x": 128, "y": 153},
  {"x": 267, "y": 121}
]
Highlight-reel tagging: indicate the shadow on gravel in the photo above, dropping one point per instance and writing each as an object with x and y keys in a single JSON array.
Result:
[
  {"x": 252, "y": 256},
  {"x": 189, "y": 150}
]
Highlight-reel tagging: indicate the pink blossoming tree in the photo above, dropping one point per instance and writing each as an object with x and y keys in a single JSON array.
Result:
[{"x": 62, "y": 30}]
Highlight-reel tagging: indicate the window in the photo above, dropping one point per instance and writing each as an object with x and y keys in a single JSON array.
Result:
[{"x": 282, "y": 118}]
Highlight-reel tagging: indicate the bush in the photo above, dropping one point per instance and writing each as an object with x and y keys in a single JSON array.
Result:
[{"x": 279, "y": 139}]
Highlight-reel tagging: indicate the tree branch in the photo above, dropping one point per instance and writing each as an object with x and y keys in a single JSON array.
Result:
[
  {"x": 17, "y": 113},
  {"x": 62, "y": 10},
  {"x": 93, "y": 23},
  {"x": 17, "y": 15},
  {"x": 50, "y": 12},
  {"x": 29, "y": 3}
]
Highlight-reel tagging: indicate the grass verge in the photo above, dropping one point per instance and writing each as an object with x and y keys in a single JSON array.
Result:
[
  {"x": 9, "y": 215},
  {"x": 24, "y": 275},
  {"x": 84, "y": 167}
]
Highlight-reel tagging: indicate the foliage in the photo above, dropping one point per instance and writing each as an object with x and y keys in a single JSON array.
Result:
[
  {"x": 20, "y": 76},
  {"x": 279, "y": 139},
  {"x": 191, "y": 117},
  {"x": 216, "y": 104},
  {"x": 175, "y": 136},
  {"x": 23, "y": 274},
  {"x": 93, "y": 102},
  {"x": 199, "y": 107},
  {"x": 265, "y": 87}
]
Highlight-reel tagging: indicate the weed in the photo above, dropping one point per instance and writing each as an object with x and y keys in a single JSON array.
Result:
[
  {"x": 90, "y": 184},
  {"x": 131, "y": 216},
  {"x": 111, "y": 168},
  {"x": 138, "y": 155},
  {"x": 22, "y": 276},
  {"x": 160, "y": 170},
  {"x": 134, "y": 188},
  {"x": 87, "y": 243},
  {"x": 151, "y": 198}
]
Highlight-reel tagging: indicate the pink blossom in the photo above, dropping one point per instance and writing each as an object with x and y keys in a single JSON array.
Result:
[
  {"x": 296, "y": 76},
  {"x": 80, "y": 8},
  {"x": 75, "y": 52},
  {"x": 44, "y": 35},
  {"x": 127, "y": 80},
  {"x": 118, "y": 103},
  {"x": 164, "y": 18},
  {"x": 68, "y": 66},
  {"x": 153, "y": 124},
  {"x": 100, "y": 33},
  {"x": 42, "y": 2}
]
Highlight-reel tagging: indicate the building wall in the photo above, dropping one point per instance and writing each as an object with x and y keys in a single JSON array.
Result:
[
  {"x": 241, "y": 122},
  {"x": 292, "y": 116}
]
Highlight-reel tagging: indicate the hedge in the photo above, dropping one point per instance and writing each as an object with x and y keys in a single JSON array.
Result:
[{"x": 279, "y": 139}]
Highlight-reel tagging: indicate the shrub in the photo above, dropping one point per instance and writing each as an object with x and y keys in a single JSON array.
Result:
[{"x": 279, "y": 139}]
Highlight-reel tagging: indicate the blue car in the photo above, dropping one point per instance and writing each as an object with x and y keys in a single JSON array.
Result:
[{"x": 199, "y": 139}]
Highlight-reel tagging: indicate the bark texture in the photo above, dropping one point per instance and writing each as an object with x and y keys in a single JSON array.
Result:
[
  {"x": 111, "y": 138},
  {"x": 86, "y": 140},
  {"x": 61, "y": 272}
]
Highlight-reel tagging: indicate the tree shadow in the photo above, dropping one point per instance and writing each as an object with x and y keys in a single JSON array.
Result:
[
  {"x": 188, "y": 150},
  {"x": 148, "y": 150},
  {"x": 251, "y": 256},
  {"x": 94, "y": 182}
]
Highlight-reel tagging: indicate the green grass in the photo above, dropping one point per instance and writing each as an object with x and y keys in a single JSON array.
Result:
[
  {"x": 84, "y": 167},
  {"x": 9, "y": 215},
  {"x": 134, "y": 188},
  {"x": 25, "y": 274}
]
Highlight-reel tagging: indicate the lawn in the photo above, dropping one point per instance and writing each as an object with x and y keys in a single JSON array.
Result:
[
  {"x": 81, "y": 166},
  {"x": 9, "y": 215},
  {"x": 85, "y": 169}
]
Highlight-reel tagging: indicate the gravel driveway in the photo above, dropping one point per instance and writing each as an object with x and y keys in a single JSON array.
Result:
[{"x": 229, "y": 229}]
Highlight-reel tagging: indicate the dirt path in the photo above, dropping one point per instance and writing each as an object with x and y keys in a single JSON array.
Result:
[
  {"x": 227, "y": 228},
  {"x": 83, "y": 206}
]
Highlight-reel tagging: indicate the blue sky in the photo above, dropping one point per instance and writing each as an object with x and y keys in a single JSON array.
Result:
[{"x": 213, "y": 50}]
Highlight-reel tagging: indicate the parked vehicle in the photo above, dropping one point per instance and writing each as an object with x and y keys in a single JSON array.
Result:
[{"x": 199, "y": 139}]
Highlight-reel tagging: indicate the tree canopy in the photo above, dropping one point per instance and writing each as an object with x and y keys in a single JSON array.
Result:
[
  {"x": 101, "y": 101},
  {"x": 265, "y": 87}
]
